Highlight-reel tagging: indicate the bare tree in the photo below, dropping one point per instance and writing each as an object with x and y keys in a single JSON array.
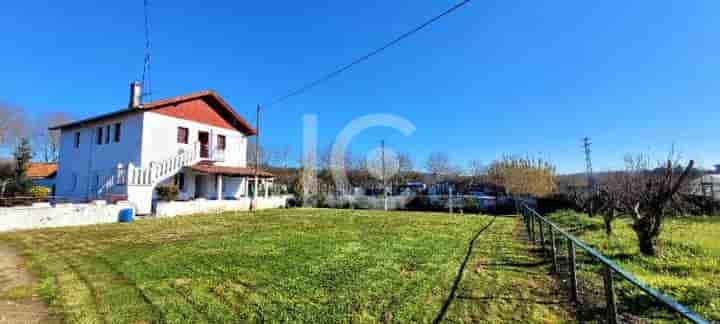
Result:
[
  {"x": 477, "y": 169},
  {"x": 405, "y": 171},
  {"x": 607, "y": 203},
  {"x": 7, "y": 172},
  {"x": 438, "y": 163},
  {"x": 45, "y": 141},
  {"x": 264, "y": 156},
  {"x": 648, "y": 195},
  {"x": 281, "y": 157},
  {"x": 13, "y": 124}
]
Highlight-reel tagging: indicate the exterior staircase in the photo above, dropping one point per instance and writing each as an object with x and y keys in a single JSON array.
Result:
[{"x": 158, "y": 171}]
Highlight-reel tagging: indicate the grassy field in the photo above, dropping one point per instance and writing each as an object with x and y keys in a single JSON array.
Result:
[
  {"x": 687, "y": 270},
  {"x": 300, "y": 265}
]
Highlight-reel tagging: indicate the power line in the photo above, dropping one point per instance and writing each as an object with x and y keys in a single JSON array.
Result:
[{"x": 365, "y": 57}]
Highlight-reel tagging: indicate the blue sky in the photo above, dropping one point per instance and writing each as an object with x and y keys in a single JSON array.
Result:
[{"x": 494, "y": 78}]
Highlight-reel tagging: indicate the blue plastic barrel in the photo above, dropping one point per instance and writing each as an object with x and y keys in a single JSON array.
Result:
[{"x": 126, "y": 215}]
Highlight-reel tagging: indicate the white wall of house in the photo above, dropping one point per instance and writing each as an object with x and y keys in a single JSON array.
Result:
[
  {"x": 160, "y": 139},
  {"x": 145, "y": 137},
  {"x": 79, "y": 168},
  {"x": 233, "y": 187}
]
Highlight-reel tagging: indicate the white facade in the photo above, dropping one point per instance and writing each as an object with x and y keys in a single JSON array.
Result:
[
  {"x": 83, "y": 168},
  {"x": 160, "y": 140},
  {"x": 146, "y": 154}
]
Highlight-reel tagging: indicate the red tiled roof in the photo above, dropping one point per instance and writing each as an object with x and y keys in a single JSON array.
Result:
[
  {"x": 41, "y": 170},
  {"x": 209, "y": 167},
  {"x": 212, "y": 98}
]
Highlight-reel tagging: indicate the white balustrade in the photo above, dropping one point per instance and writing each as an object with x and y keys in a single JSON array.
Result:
[{"x": 159, "y": 171}]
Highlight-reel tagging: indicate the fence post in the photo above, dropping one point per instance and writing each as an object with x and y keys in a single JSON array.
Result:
[
  {"x": 527, "y": 223},
  {"x": 573, "y": 270},
  {"x": 554, "y": 250},
  {"x": 610, "y": 305},
  {"x": 531, "y": 223},
  {"x": 542, "y": 236}
]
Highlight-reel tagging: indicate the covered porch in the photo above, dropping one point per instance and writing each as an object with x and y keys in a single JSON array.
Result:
[{"x": 207, "y": 181}]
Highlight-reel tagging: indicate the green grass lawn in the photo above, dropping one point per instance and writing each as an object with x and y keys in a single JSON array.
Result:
[
  {"x": 299, "y": 265},
  {"x": 688, "y": 269}
]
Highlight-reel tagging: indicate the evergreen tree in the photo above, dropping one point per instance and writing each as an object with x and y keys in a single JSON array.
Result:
[{"x": 23, "y": 156}]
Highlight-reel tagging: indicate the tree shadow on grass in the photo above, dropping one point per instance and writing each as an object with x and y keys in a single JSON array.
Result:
[
  {"x": 517, "y": 264},
  {"x": 512, "y": 299},
  {"x": 461, "y": 270}
]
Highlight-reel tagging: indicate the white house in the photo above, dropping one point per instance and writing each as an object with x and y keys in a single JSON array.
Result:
[
  {"x": 196, "y": 141},
  {"x": 707, "y": 185}
]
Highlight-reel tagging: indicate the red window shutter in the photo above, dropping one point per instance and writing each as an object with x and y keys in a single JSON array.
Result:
[
  {"x": 182, "y": 135},
  {"x": 221, "y": 142}
]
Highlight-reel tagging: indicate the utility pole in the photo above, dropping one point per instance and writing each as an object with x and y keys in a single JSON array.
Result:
[
  {"x": 253, "y": 206},
  {"x": 591, "y": 189},
  {"x": 385, "y": 194},
  {"x": 588, "y": 163}
]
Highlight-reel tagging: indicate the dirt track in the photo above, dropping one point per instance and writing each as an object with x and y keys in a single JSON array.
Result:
[{"x": 18, "y": 303}]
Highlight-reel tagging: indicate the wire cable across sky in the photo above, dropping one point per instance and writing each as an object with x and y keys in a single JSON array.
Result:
[{"x": 365, "y": 57}]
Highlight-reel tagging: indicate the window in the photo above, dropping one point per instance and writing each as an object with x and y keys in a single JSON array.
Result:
[
  {"x": 182, "y": 135},
  {"x": 107, "y": 134},
  {"x": 99, "y": 135},
  {"x": 73, "y": 182},
  {"x": 221, "y": 142},
  {"x": 117, "y": 133},
  {"x": 77, "y": 139},
  {"x": 180, "y": 181}
]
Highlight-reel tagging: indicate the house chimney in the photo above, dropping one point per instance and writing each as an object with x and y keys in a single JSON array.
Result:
[{"x": 135, "y": 95}]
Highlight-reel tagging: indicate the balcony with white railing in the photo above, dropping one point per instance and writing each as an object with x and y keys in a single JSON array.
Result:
[{"x": 218, "y": 155}]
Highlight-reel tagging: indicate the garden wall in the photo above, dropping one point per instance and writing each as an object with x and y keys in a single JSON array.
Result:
[
  {"x": 43, "y": 215},
  {"x": 199, "y": 206},
  {"x": 366, "y": 202}
]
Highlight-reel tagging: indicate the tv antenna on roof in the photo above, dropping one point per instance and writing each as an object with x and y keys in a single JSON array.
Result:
[{"x": 147, "y": 85}]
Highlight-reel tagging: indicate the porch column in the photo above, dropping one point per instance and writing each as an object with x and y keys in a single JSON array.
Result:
[
  {"x": 245, "y": 181},
  {"x": 255, "y": 192},
  {"x": 267, "y": 191},
  {"x": 219, "y": 187}
]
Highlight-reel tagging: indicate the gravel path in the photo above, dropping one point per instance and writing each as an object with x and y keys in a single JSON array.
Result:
[{"x": 17, "y": 303}]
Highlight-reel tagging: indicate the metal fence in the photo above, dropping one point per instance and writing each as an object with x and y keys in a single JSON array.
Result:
[{"x": 601, "y": 290}]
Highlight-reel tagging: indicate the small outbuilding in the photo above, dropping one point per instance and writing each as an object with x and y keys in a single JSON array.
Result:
[{"x": 43, "y": 174}]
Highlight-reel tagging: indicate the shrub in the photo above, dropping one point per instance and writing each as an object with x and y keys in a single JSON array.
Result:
[
  {"x": 167, "y": 193},
  {"x": 555, "y": 202},
  {"x": 316, "y": 200},
  {"x": 293, "y": 202},
  {"x": 40, "y": 192},
  {"x": 419, "y": 203},
  {"x": 470, "y": 205}
]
